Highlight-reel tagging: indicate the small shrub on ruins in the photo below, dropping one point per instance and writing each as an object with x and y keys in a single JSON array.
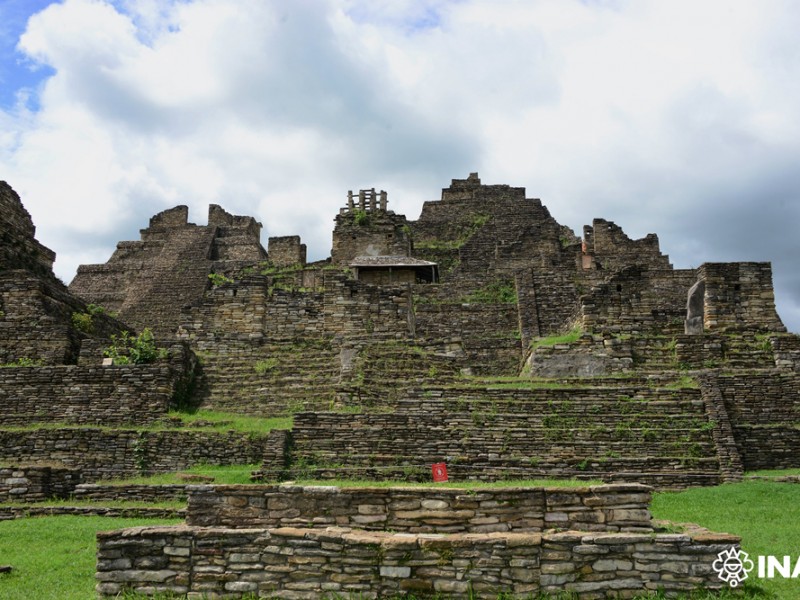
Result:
[
  {"x": 83, "y": 322},
  {"x": 475, "y": 224},
  {"x": 361, "y": 217},
  {"x": 764, "y": 342},
  {"x": 94, "y": 309},
  {"x": 138, "y": 350},
  {"x": 218, "y": 279},
  {"x": 264, "y": 366}
]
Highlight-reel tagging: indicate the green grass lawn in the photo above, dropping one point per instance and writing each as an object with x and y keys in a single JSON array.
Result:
[
  {"x": 54, "y": 557},
  {"x": 765, "y": 514},
  {"x": 774, "y": 472},
  {"x": 225, "y": 421}
]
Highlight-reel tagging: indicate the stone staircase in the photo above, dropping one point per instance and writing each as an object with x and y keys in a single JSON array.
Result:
[
  {"x": 270, "y": 378},
  {"x": 628, "y": 433},
  {"x": 177, "y": 277}
]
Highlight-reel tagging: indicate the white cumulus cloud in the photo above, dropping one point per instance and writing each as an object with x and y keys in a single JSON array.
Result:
[{"x": 679, "y": 117}]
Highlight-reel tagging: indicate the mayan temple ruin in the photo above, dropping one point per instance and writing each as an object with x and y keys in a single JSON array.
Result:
[{"x": 483, "y": 335}]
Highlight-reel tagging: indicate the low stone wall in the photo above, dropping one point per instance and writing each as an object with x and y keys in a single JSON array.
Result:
[
  {"x": 90, "y": 394},
  {"x": 33, "y": 483},
  {"x": 131, "y": 493},
  {"x": 84, "y": 395},
  {"x": 107, "y": 454},
  {"x": 776, "y": 479},
  {"x": 442, "y": 510},
  {"x": 22, "y": 511},
  {"x": 308, "y": 563}
]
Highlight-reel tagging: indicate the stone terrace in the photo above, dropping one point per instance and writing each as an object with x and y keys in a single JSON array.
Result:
[
  {"x": 618, "y": 433},
  {"x": 612, "y": 552}
]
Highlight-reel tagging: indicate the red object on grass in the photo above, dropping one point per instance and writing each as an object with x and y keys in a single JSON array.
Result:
[{"x": 439, "y": 471}]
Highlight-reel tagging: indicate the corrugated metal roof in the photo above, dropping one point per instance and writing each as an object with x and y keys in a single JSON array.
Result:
[{"x": 390, "y": 261}]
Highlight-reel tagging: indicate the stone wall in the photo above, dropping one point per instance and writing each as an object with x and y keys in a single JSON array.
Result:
[
  {"x": 417, "y": 510},
  {"x": 120, "y": 453},
  {"x": 18, "y": 246},
  {"x": 35, "y": 483},
  {"x": 93, "y": 395},
  {"x": 148, "y": 282},
  {"x": 308, "y": 563},
  {"x": 638, "y": 300},
  {"x": 26, "y": 511},
  {"x": 356, "y": 309},
  {"x": 36, "y": 320},
  {"x": 36, "y": 310},
  {"x": 489, "y": 332},
  {"x": 286, "y": 251},
  {"x": 619, "y": 433},
  {"x": 252, "y": 309},
  {"x": 93, "y": 492},
  {"x": 232, "y": 311},
  {"x": 764, "y": 411},
  {"x": 367, "y": 229},
  {"x": 553, "y": 298},
  {"x": 264, "y": 378},
  {"x": 607, "y": 248},
  {"x": 739, "y": 296}
]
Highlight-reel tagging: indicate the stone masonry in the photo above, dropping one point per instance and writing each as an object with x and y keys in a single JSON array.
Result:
[{"x": 284, "y": 544}]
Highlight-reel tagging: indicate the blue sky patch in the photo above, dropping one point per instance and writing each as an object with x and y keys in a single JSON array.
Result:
[{"x": 16, "y": 72}]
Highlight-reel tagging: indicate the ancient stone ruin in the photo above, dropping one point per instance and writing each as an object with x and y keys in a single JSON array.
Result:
[{"x": 484, "y": 334}]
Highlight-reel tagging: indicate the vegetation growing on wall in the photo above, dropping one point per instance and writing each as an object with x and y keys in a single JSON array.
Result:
[
  {"x": 497, "y": 292},
  {"x": 138, "y": 350}
]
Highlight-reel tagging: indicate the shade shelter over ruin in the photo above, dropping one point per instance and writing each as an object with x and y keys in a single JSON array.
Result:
[{"x": 392, "y": 270}]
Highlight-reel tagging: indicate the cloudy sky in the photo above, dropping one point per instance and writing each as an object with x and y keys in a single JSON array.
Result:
[{"x": 675, "y": 117}]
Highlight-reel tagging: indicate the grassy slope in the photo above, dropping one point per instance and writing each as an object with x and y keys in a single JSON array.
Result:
[{"x": 54, "y": 557}]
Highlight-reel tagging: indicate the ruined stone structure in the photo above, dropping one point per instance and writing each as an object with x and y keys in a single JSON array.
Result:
[
  {"x": 484, "y": 334},
  {"x": 593, "y": 542},
  {"x": 365, "y": 227},
  {"x": 51, "y": 345},
  {"x": 36, "y": 310},
  {"x": 147, "y": 282},
  {"x": 366, "y": 341}
]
